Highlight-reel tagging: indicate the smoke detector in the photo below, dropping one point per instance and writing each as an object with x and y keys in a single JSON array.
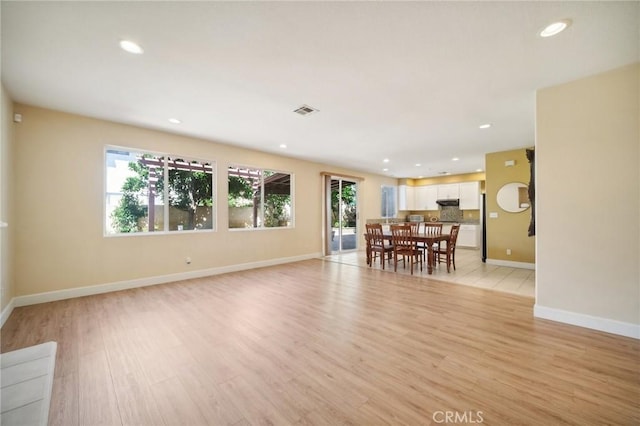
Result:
[{"x": 305, "y": 110}]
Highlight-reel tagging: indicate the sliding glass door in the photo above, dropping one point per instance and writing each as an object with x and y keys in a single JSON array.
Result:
[{"x": 344, "y": 214}]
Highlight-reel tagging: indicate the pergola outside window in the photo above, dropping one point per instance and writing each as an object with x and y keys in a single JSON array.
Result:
[{"x": 148, "y": 192}]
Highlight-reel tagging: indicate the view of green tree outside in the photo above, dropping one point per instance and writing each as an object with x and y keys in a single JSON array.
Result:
[
  {"x": 142, "y": 197},
  {"x": 246, "y": 188},
  {"x": 348, "y": 197},
  {"x": 190, "y": 191}
]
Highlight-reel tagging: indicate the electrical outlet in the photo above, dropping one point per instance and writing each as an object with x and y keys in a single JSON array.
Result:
[{"x": 508, "y": 252}]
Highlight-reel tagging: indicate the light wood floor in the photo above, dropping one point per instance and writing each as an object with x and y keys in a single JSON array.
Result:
[{"x": 325, "y": 343}]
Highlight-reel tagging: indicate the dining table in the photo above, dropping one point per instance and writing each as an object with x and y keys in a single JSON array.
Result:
[{"x": 428, "y": 239}]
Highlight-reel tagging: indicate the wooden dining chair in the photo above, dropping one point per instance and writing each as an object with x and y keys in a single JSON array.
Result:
[
  {"x": 377, "y": 244},
  {"x": 405, "y": 245},
  {"x": 431, "y": 228},
  {"x": 415, "y": 227},
  {"x": 448, "y": 252}
]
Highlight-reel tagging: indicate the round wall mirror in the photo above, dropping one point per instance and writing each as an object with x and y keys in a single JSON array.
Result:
[{"x": 514, "y": 197}]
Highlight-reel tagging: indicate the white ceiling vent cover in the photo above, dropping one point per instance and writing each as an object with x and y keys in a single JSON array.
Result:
[{"x": 305, "y": 110}]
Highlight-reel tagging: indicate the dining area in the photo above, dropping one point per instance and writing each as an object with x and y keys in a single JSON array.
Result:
[{"x": 413, "y": 245}]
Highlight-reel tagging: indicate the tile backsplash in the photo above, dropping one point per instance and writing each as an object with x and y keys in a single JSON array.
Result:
[{"x": 451, "y": 214}]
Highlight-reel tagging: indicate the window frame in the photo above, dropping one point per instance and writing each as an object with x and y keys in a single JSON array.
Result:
[
  {"x": 166, "y": 158},
  {"x": 262, "y": 227}
]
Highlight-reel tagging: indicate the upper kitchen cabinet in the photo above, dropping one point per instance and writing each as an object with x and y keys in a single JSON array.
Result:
[
  {"x": 406, "y": 198},
  {"x": 426, "y": 197},
  {"x": 469, "y": 195},
  {"x": 448, "y": 191}
]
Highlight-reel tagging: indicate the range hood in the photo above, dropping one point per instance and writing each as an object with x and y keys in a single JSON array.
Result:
[{"x": 448, "y": 202}]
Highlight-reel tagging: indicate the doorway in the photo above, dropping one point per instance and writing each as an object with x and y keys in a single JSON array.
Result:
[{"x": 342, "y": 215}]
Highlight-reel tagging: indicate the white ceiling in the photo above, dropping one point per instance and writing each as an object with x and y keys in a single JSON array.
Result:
[{"x": 407, "y": 81}]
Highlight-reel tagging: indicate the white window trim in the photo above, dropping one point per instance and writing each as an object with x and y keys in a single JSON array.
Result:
[
  {"x": 293, "y": 198},
  {"x": 166, "y": 156}
]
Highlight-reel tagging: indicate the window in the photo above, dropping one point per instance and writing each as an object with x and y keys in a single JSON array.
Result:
[
  {"x": 259, "y": 198},
  {"x": 389, "y": 208},
  {"x": 147, "y": 192}
]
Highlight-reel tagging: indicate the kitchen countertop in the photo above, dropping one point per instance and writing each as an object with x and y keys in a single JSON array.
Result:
[
  {"x": 461, "y": 222},
  {"x": 446, "y": 222}
]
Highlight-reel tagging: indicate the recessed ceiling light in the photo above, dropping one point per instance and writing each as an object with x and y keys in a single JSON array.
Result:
[
  {"x": 283, "y": 146},
  {"x": 174, "y": 121},
  {"x": 455, "y": 159},
  {"x": 478, "y": 170},
  {"x": 386, "y": 160},
  {"x": 131, "y": 47},
  {"x": 484, "y": 126},
  {"x": 418, "y": 164},
  {"x": 555, "y": 28},
  {"x": 385, "y": 170}
]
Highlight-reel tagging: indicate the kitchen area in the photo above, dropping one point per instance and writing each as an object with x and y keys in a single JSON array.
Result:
[
  {"x": 492, "y": 208},
  {"x": 458, "y": 199},
  {"x": 494, "y": 250}
]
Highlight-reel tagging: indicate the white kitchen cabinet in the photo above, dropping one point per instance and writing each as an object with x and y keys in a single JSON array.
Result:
[
  {"x": 469, "y": 236},
  {"x": 426, "y": 197},
  {"x": 406, "y": 198},
  {"x": 448, "y": 191},
  {"x": 469, "y": 195},
  {"x": 402, "y": 197}
]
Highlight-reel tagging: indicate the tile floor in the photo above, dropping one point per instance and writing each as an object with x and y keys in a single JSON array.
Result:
[{"x": 469, "y": 271}]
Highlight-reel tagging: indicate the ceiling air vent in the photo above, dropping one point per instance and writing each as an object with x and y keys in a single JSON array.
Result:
[{"x": 305, "y": 110}]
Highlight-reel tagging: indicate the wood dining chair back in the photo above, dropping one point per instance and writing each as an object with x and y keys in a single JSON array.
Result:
[
  {"x": 431, "y": 228},
  {"x": 405, "y": 245},
  {"x": 378, "y": 244},
  {"x": 415, "y": 227},
  {"x": 447, "y": 254}
]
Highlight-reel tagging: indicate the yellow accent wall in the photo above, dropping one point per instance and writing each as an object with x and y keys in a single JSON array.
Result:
[
  {"x": 58, "y": 181},
  {"x": 508, "y": 230},
  {"x": 588, "y": 195},
  {"x": 466, "y": 177}
]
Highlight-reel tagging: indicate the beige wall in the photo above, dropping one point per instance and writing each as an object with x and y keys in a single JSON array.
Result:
[
  {"x": 59, "y": 173},
  {"x": 588, "y": 195},
  {"x": 508, "y": 230},
  {"x": 6, "y": 146}
]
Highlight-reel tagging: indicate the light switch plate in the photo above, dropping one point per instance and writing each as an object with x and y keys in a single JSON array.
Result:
[{"x": 493, "y": 215}]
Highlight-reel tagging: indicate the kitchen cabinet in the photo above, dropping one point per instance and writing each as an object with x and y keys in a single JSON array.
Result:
[
  {"x": 406, "y": 198},
  {"x": 469, "y": 195},
  {"x": 448, "y": 191},
  {"x": 469, "y": 236},
  {"x": 425, "y": 197}
]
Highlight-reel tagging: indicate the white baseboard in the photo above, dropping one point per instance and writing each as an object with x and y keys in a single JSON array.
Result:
[
  {"x": 7, "y": 311},
  {"x": 52, "y": 296},
  {"x": 522, "y": 265},
  {"x": 588, "y": 321}
]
